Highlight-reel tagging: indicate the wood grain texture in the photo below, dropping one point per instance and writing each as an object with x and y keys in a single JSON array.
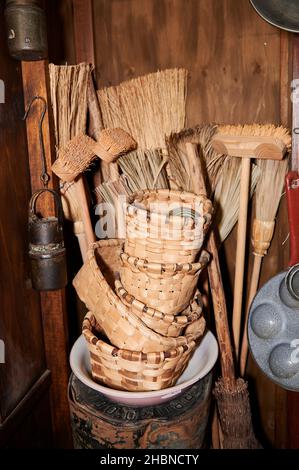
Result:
[
  {"x": 53, "y": 305},
  {"x": 232, "y": 55},
  {"x": 60, "y": 31},
  {"x": 9, "y": 428},
  {"x": 20, "y": 319},
  {"x": 83, "y": 31},
  {"x": 238, "y": 73}
]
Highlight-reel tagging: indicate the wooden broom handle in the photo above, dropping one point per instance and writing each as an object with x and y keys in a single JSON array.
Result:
[
  {"x": 257, "y": 264},
  {"x": 240, "y": 253},
  {"x": 81, "y": 194},
  {"x": 218, "y": 297}
]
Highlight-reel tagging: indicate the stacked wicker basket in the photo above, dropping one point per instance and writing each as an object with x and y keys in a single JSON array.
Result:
[{"x": 145, "y": 314}]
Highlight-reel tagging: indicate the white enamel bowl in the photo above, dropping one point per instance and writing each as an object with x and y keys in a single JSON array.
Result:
[{"x": 201, "y": 363}]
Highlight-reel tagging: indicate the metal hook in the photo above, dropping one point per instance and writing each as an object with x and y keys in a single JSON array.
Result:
[{"x": 44, "y": 176}]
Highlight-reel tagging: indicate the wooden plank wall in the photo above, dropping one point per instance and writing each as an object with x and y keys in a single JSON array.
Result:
[
  {"x": 24, "y": 379},
  {"x": 235, "y": 75}
]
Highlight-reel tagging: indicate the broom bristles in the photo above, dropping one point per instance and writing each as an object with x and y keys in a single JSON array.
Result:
[
  {"x": 227, "y": 194},
  {"x": 74, "y": 158},
  {"x": 261, "y": 130},
  {"x": 143, "y": 169},
  {"x": 116, "y": 141},
  {"x": 269, "y": 188},
  {"x": 178, "y": 159},
  {"x": 147, "y": 107},
  {"x": 68, "y": 86}
]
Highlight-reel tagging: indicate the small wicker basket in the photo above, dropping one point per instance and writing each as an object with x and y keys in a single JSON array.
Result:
[
  {"x": 167, "y": 325},
  {"x": 94, "y": 284},
  {"x": 166, "y": 226},
  {"x": 133, "y": 370},
  {"x": 167, "y": 287}
]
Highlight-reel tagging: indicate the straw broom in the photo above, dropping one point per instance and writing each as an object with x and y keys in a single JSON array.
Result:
[
  {"x": 227, "y": 194},
  {"x": 223, "y": 174},
  {"x": 68, "y": 87},
  {"x": 267, "y": 199},
  {"x": 147, "y": 107},
  {"x": 248, "y": 142}
]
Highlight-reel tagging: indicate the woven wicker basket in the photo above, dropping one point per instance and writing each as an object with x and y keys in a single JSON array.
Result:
[
  {"x": 167, "y": 325},
  {"x": 133, "y": 370},
  {"x": 160, "y": 251},
  {"x": 94, "y": 284},
  {"x": 166, "y": 226},
  {"x": 167, "y": 287}
]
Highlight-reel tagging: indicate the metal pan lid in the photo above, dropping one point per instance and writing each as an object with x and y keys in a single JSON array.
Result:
[{"x": 283, "y": 14}]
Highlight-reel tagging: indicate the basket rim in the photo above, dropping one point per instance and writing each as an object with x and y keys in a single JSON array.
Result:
[
  {"x": 113, "y": 299},
  {"x": 90, "y": 322},
  {"x": 161, "y": 268},
  {"x": 182, "y": 195},
  {"x": 181, "y": 319}
]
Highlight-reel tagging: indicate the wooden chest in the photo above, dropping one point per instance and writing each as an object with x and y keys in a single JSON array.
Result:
[{"x": 99, "y": 423}]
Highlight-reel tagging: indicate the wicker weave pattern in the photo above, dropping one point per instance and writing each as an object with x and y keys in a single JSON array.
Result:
[
  {"x": 167, "y": 287},
  {"x": 160, "y": 251},
  {"x": 133, "y": 370},
  {"x": 167, "y": 325},
  {"x": 166, "y": 226},
  {"x": 123, "y": 328}
]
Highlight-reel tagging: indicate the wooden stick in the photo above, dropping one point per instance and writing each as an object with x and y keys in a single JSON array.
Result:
[
  {"x": 240, "y": 253},
  {"x": 81, "y": 194},
  {"x": 218, "y": 297},
  {"x": 257, "y": 264},
  {"x": 53, "y": 304}
]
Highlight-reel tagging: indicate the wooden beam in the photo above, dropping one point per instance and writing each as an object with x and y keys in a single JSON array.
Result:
[
  {"x": 83, "y": 31},
  {"x": 53, "y": 304}
]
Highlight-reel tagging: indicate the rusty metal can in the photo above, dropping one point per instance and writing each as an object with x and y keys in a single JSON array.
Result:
[
  {"x": 46, "y": 247},
  {"x": 26, "y": 29}
]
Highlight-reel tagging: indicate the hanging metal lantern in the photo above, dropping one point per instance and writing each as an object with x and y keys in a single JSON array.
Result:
[
  {"x": 46, "y": 246},
  {"x": 26, "y": 29}
]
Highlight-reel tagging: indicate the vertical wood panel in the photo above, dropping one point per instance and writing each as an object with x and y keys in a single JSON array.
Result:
[
  {"x": 238, "y": 72},
  {"x": 20, "y": 319},
  {"x": 53, "y": 305},
  {"x": 83, "y": 30}
]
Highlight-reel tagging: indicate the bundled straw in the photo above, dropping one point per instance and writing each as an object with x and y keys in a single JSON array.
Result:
[
  {"x": 227, "y": 193},
  {"x": 147, "y": 107},
  {"x": 68, "y": 86},
  {"x": 144, "y": 169},
  {"x": 178, "y": 159},
  {"x": 223, "y": 173},
  {"x": 267, "y": 199},
  {"x": 269, "y": 188}
]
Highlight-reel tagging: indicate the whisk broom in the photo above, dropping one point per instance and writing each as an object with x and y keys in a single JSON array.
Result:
[
  {"x": 77, "y": 156},
  {"x": 267, "y": 199}
]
